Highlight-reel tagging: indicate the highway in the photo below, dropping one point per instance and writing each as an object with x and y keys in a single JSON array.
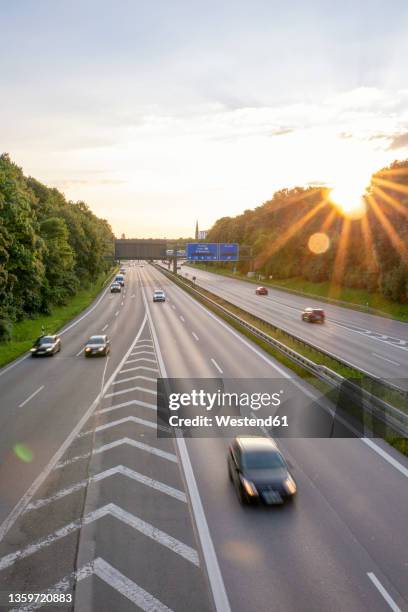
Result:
[
  {"x": 104, "y": 509},
  {"x": 375, "y": 344}
]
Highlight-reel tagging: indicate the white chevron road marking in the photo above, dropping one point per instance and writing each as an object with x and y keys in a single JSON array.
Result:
[
  {"x": 130, "y": 419},
  {"x": 130, "y": 390},
  {"x": 138, "y": 377},
  {"x": 111, "y": 576},
  {"x": 119, "y": 469},
  {"x": 140, "y": 368},
  {"x": 130, "y": 442},
  {"x": 126, "y": 404},
  {"x": 141, "y": 359},
  {"x": 114, "y": 511}
]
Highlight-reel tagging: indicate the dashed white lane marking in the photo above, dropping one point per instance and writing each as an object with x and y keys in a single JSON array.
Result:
[
  {"x": 130, "y": 390},
  {"x": 195, "y": 336},
  {"x": 105, "y": 327},
  {"x": 109, "y": 510},
  {"x": 216, "y": 365},
  {"x": 173, "y": 307},
  {"x": 123, "y": 441},
  {"x": 126, "y": 405},
  {"x": 383, "y": 592},
  {"x": 122, "y": 303},
  {"x": 30, "y": 397},
  {"x": 129, "y": 419},
  {"x": 119, "y": 469},
  {"x": 116, "y": 313},
  {"x": 139, "y": 368},
  {"x": 133, "y": 296},
  {"x": 182, "y": 319},
  {"x": 79, "y": 352},
  {"x": 385, "y": 359},
  {"x": 118, "y": 382}
]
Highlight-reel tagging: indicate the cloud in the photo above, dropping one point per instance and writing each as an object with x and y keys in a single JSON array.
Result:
[{"x": 399, "y": 142}]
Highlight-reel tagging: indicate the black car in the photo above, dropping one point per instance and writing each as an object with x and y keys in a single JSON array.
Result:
[
  {"x": 259, "y": 472},
  {"x": 46, "y": 345},
  {"x": 313, "y": 315},
  {"x": 97, "y": 346}
]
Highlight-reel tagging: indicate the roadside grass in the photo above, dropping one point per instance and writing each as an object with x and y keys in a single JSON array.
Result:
[
  {"x": 25, "y": 332},
  {"x": 394, "y": 398},
  {"x": 356, "y": 299}
]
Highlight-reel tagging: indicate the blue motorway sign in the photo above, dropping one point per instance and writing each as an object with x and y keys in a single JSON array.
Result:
[
  {"x": 211, "y": 251},
  {"x": 228, "y": 251},
  {"x": 200, "y": 251}
]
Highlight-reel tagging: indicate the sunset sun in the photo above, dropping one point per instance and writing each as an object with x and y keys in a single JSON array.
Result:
[{"x": 347, "y": 195}]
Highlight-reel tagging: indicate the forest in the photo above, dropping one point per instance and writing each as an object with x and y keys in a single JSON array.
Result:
[
  {"x": 49, "y": 247},
  {"x": 301, "y": 233}
]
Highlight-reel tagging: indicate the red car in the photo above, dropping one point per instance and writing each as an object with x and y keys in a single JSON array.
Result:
[{"x": 261, "y": 291}]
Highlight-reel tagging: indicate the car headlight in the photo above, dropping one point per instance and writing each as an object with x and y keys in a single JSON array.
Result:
[
  {"x": 290, "y": 485},
  {"x": 33, "y": 350},
  {"x": 249, "y": 487},
  {"x": 88, "y": 349},
  {"x": 101, "y": 348},
  {"x": 48, "y": 350}
]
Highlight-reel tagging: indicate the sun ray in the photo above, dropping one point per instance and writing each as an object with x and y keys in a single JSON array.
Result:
[
  {"x": 398, "y": 244},
  {"x": 340, "y": 259},
  {"x": 390, "y": 185},
  {"x": 328, "y": 222},
  {"x": 369, "y": 246},
  {"x": 403, "y": 210},
  {"x": 290, "y": 232}
]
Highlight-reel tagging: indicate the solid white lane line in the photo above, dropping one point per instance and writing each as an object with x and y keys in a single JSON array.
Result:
[
  {"x": 385, "y": 359},
  {"x": 106, "y": 327},
  {"x": 79, "y": 352},
  {"x": 383, "y": 592},
  {"x": 210, "y": 557},
  {"x": 109, "y": 510},
  {"x": 195, "y": 336},
  {"x": 216, "y": 365},
  {"x": 377, "y": 449},
  {"x": 30, "y": 397},
  {"x": 182, "y": 318},
  {"x": 122, "y": 442},
  {"x": 31, "y": 491},
  {"x": 119, "y": 469}
]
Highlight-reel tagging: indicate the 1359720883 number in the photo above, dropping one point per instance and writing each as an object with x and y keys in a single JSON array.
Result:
[{"x": 40, "y": 598}]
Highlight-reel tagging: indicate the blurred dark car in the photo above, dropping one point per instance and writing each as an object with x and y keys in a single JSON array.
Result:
[
  {"x": 313, "y": 315},
  {"x": 259, "y": 472},
  {"x": 261, "y": 291},
  {"x": 46, "y": 345},
  {"x": 97, "y": 346},
  {"x": 115, "y": 288}
]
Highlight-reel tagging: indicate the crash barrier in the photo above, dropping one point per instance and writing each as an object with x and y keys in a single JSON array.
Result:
[{"x": 373, "y": 405}]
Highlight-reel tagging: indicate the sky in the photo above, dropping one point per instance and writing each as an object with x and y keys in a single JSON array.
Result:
[{"x": 160, "y": 113}]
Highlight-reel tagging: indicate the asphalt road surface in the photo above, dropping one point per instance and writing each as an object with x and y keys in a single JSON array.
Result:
[
  {"x": 94, "y": 504},
  {"x": 375, "y": 344}
]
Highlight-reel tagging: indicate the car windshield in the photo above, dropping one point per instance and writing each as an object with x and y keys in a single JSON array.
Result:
[
  {"x": 45, "y": 340},
  {"x": 262, "y": 460},
  {"x": 96, "y": 340},
  {"x": 158, "y": 292}
]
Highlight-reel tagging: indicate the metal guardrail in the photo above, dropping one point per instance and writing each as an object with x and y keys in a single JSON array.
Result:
[{"x": 380, "y": 409}]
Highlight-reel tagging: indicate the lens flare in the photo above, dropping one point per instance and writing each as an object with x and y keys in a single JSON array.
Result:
[
  {"x": 318, "y": 243},
  {"x": 23, "y": 452},
  {"x": 348, "y": 198}
]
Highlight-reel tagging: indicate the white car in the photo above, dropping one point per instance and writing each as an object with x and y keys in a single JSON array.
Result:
[{"x": 159, "y": 296}]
